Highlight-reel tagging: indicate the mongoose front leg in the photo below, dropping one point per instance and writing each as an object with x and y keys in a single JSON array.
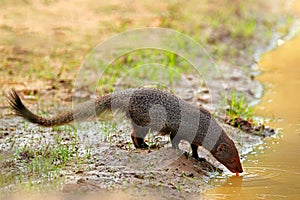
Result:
[
  {"x": 174, "y": 141},
  {"x": 195, "y": 153},
  {"x": 137, "y": 136}
]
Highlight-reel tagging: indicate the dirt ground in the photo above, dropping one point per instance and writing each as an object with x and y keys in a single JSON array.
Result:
[{"x": 43, "y": 44}]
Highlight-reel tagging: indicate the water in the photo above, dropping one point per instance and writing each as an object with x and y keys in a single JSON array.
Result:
[{"x": 273, "y": 172}]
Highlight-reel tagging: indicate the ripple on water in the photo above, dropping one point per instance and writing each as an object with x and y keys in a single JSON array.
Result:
[
  {"x": 251, "y": 183},
  {"x": 260, "y": 176}
]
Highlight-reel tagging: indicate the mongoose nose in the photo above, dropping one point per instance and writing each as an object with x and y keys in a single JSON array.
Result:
[{"x": 240, "y": 169}]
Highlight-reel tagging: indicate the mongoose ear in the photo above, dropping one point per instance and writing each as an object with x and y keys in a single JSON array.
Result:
[{"x": 223, "y": 147}]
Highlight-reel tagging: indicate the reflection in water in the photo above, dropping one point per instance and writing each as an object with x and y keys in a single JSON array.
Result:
[
  {"x": 233, "y": 184},
  {"x": 231, "y": 188},
  {"x": 253, "y": 182}
]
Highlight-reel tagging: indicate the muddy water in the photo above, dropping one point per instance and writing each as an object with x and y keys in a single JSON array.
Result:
[{"x": 273, "y": 172}]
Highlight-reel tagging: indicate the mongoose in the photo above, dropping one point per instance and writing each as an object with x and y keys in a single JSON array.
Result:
[{"x": 155, "y": 110}]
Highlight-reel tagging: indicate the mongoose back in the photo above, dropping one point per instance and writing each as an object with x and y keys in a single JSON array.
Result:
[{"x": 155, "y": 110}]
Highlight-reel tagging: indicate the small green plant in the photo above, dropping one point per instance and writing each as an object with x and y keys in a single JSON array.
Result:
[
  {"x": 135, "y": 68},
  {"x": 179, "y": 188},
  {"x": 239, "y": 108},
  {"x": 38, "y": 161}
]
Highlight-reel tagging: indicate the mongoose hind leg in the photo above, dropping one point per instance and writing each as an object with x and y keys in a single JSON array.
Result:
[
  {"x": 138, "y": 134},
  {"x": 195, "y": 153}
]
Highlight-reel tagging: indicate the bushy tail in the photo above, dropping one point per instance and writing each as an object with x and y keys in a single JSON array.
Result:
[{"x": 82, "y": 112}]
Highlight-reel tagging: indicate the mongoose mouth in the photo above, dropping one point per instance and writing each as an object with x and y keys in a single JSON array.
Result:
[{"x": 235, "y": 168}]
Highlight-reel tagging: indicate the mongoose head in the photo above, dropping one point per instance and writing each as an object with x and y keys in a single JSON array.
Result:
[{"x": 226, "y": 153}]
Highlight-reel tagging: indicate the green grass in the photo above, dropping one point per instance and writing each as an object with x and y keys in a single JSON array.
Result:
[
  {"x": 224, "y": 29},
  {"x": 43, "y": 162},
  {"x": 141, "y": 67},
  {"x": 238, "y": 107}
]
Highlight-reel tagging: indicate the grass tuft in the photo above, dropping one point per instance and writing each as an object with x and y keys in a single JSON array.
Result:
[{"x": 239, "y": 108}]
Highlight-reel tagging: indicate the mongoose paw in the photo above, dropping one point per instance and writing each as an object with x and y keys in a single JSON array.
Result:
[
  {"x": 156, "y": 146},
  {"x": 143, "y": 146},
  {"x": 200, "y": 159},
  {"x": 197, "y": 158},
  {"x": 204, "y": 165}
]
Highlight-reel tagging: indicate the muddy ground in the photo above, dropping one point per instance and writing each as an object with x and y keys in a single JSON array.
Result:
[{"x": 43, "y": 47}]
